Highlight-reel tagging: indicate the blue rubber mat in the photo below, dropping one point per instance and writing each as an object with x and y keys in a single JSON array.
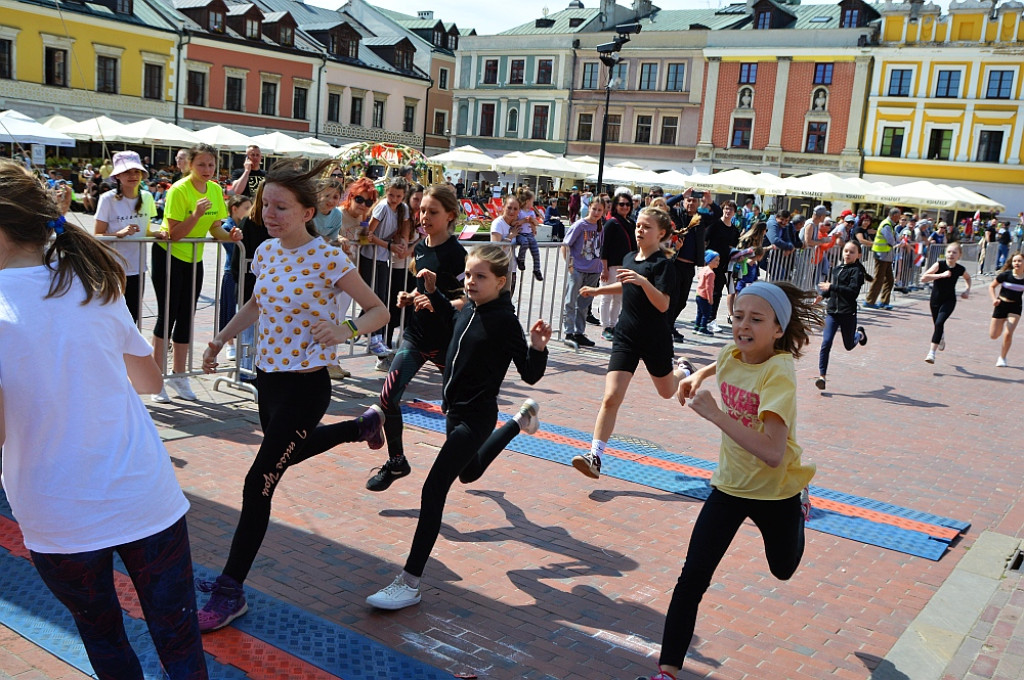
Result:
[
  {"x": 28, "y": 608},
  {"x": 827, "y": 521}
]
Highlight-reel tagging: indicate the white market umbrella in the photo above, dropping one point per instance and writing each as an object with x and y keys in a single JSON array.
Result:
[
  {"x": 99, "y": 129},
  {"x": 318, "y": 148},
  {"x": 823, "y": 186},
  {"x": 279, "y": 144},
  {"x": 545, "y": 163},
  {"x": 673, "y": 179},
  {"x": 511, "y": 162},
  {"x": 973, "y": 199},
  {"x": 466, "y": 157},
  {"x": 629, "y": 165},
  {"x": 223, "y": 138},
  {"x": 154, "y": 132},
  {"x": 17, "y": 128},
  {"x": 735, "y": 182},
  {"x": 57, "y": 122},
  {"x": 920, "y": 194}
]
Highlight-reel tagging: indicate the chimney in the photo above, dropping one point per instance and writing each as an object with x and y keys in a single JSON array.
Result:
[
  {"x": 642, "y": 8},
  {"x": 427, "y": 14},
  {"x": 608, "y": 8}
]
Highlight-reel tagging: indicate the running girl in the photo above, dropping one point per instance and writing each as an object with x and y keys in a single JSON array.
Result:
[
  {"x": 842, "y": 292},
  {"x": 760, "y": 474},
  {"x": 426, "y": 334},
  {"x": 297, "y": 278},
  {"x": 487, "y": 338},
  {"x": 943, "y": 275},
  {"x": 100, "y": 481},
  {"x": 1007, "y": 303},
  {"x": 646, "y": 281}
]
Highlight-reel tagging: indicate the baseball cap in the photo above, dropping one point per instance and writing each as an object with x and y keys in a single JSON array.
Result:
[
  {"x": 820, "y": 210},
  {"x": 849, "y": 218}
]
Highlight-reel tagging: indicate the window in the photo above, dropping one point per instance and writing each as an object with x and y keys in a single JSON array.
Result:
[
  {"x": 299, "y": 97},
  {"x": 487, "y": 120},
  {"x": 356, "y": 115},
  {"x": 512, "y": 121},
  {"x": 585, "y": 127},
  {"x": 899, "y": 82},
  {"x": 990, "y": 146},
  {"x": 453, "y": 42},
  {"x": 741, "y": 133},
  {"x": 669, "y": 126},
  {"x": 153, "y": 81},
  {"x": 544, "y": 67},
  {"x": 196, "y": 88},
  {"x": 350, "y": 49},
  {"x": 378, "y": 114},
  {"x": 334, "y": 107},
  {"x": 123, "y": 6},
  {"x": 6, "y": 59},
  {"x": 748, "y": 74},
  {"x": 939, "y": 143},
  {"x": 614, "y": 124},
  {"x": 676, "y": 80},
  {"x": 234, "y": 87},
  {"x": 442, "y": 79},
  {"x": 216, "y": 21},
  {"x": 540, "y": 123},
  {"x": 851, "y": 18},
  {"x": 823, "y": 74},
  {"x": 106, "y": 75},
  {"x": 764, "y": 20},
  {"x": 643, "y": 130},
  {"x": 252, "y": 29},
  {"x": 333, "y": 43},
  {"x": 620, "y": 73},
  {"x": 409, "y": 118},
  {"x": 515, "y": 73},
  {"x": 440, "y": 122},
  {"x": 999, "y": 84},
  {"x": 403, "y": 60},
  {"x": 892, "y": 142},
  {"x": 589, "y": 77},
  {"x": 948, "y": 84},
  {"x": 56, "y": 67},
  {"x": 816, "y": 136},
  {"x": 648, "y": 76},
  {"x": 268, "y": 99},
  {"x": 438, "y": 37},
  {"x": 491, "y": 72},
  {"x": 287, "y": 36}
]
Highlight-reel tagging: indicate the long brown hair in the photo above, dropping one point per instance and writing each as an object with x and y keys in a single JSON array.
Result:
[
  {"x": 805, "y": 315},
  {"x": 304, "y": 184},
  {"x": 29, "y": 216}
]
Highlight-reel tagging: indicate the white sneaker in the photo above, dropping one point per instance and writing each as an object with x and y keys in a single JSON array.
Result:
[
  {"x": 230, "y": 352},
  {"x": 1001, "y": 363},
  {"x": 160, "y": 398},
  {"x": 377, "y": 347},
  {"x": 930, "y": 358},
  {"x": 942, "y": 343},
  {"x": 713, "y": 327},
  {"x": 383, "y": 363},
  {"x": 181, "y": 385},
  {"x": 398, "y": 595},
  {"x": 529, "y": 423}
]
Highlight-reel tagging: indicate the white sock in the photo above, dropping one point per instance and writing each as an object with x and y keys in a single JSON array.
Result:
[
  {"x": 597, "y": 447},
  {"x": 410, "y": 580}
]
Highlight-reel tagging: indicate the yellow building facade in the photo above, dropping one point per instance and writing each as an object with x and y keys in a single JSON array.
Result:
[
  {"x": 87, "y": 60},
  {"x": 946, "y": 100}
]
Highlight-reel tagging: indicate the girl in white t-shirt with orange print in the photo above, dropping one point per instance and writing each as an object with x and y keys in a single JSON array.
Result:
[
  {"x": 298, "y": 276},
  {"x": 760, "y": 474}
]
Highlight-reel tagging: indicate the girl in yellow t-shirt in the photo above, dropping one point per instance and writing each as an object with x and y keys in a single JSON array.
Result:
[{"x": 760, "y": 474}]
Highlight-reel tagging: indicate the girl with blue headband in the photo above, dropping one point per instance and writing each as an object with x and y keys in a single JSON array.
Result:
[{"x": 760, "y": 474}]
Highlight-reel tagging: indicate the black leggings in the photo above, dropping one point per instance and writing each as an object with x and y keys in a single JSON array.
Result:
[
  {"x": 471, "y": 446},
  {"x": 176, "y": 307},
  {"x": 291, "y": 406},
  {"x": 401, "y": 280},
  {"x": 782, "y": 527},
  {"x": 940, "y": 313},
  {"x": 407, "y": 362},
  {"x": 131, "y": 295},
  {"x": 684, "y": 280}
]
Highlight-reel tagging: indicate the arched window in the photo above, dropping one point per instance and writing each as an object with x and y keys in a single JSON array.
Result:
[{"x": 513, "y": 120}]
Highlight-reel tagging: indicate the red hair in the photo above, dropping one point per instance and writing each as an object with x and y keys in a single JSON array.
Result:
[{"x": 363, "y": 186}]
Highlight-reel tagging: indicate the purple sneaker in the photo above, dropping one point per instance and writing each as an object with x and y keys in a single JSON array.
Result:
[
  {"x": 226, "y": 603},
  {"x": 371, "y": 427}
]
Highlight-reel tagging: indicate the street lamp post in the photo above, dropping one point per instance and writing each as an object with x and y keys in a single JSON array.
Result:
[{"x": 610, "y": 57}]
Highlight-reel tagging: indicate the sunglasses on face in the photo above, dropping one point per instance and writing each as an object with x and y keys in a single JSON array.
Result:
[
  {"x": 362, "y": 201},
  {"x": 622, "y": 203},
  {"x": 337, "y": 175}
]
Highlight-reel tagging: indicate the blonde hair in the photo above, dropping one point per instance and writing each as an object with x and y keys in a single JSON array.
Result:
[
  {"x": 496, "y": 257},
  {"x": 664, "y": 222}
]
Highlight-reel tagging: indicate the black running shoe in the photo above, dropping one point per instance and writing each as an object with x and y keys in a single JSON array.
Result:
[
  {"x": 593, "y": 320},
  {"x": 584, "y": 341},
  {"x": 864, "y": 338},
  {"x": 387, "y": 473},
  {"x": 677, "y": 337}
]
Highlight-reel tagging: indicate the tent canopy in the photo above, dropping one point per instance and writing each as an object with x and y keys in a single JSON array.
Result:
[
  {"x": 154, "y": 132},
  {"x": 224, "y": 138},
  {"x": 824, "y": 186},
  {"x": 99, "y": 129},
  {"x": 17, "y": 128},
  {"x": 465, "y": 157}
]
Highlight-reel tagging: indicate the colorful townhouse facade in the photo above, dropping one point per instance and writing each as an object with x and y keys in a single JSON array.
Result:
[{"x": 946, "y": 97}]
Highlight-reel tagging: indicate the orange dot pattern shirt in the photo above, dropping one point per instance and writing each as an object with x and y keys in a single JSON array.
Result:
[{"x": 294, "y": 289}]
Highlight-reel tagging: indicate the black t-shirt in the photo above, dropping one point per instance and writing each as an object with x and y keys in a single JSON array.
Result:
[
  {"x": 1003, "y": 236},
  {"x": 448, "y": 260},
  {"x": 944, "y": 290},
  {"x": 256, "y": 178},
  {"x": 1012, "y": 289},
  {"x": 619, "y": 238},
  {"x": 639, "y": 316}
]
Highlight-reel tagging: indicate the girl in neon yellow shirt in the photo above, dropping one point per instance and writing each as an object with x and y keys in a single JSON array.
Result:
[{"x": 760, "y": 474}]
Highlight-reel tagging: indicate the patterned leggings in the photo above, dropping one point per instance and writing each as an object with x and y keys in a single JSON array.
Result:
[
  {"x": 525, "y": 241},
  {"x": 160, "y": 567}
]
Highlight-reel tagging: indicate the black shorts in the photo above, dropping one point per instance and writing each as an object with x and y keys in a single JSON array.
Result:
[
  {"x": 656, "y": 351},
  {"x": 1005, "y": 309}
]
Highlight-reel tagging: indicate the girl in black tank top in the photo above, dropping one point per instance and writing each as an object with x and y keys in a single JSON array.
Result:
[
  {"x": 943, "y": 276},
  {"x": 1007, "y": 291}
]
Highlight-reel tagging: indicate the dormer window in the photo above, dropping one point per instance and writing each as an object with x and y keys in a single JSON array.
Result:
[
  {"x": 453, "y": 42},
  {"x": 764, "y": 20},
  {"x": 350, "y": 49},
  {"x": 403, "y": 60},
  {"x": 851, "y": 18},
  {"x": 333, "y": 44},
  {"x": 123, "y": 6},
  {"x": 438, "y": 38},
  {"x": 287, "y": 36},
  {"x": 216, "y": 23},
  {"x": 575, "y": 21},
  {"x": 252, "y": 29}
]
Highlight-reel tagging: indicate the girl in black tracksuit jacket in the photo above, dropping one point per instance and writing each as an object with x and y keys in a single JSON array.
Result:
[
  {"x": 486, "y": 338},
  {"x": 842, "y": 291}
]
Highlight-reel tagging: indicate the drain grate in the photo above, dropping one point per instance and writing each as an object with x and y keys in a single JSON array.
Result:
[{"x": 1017, "y": 561}]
